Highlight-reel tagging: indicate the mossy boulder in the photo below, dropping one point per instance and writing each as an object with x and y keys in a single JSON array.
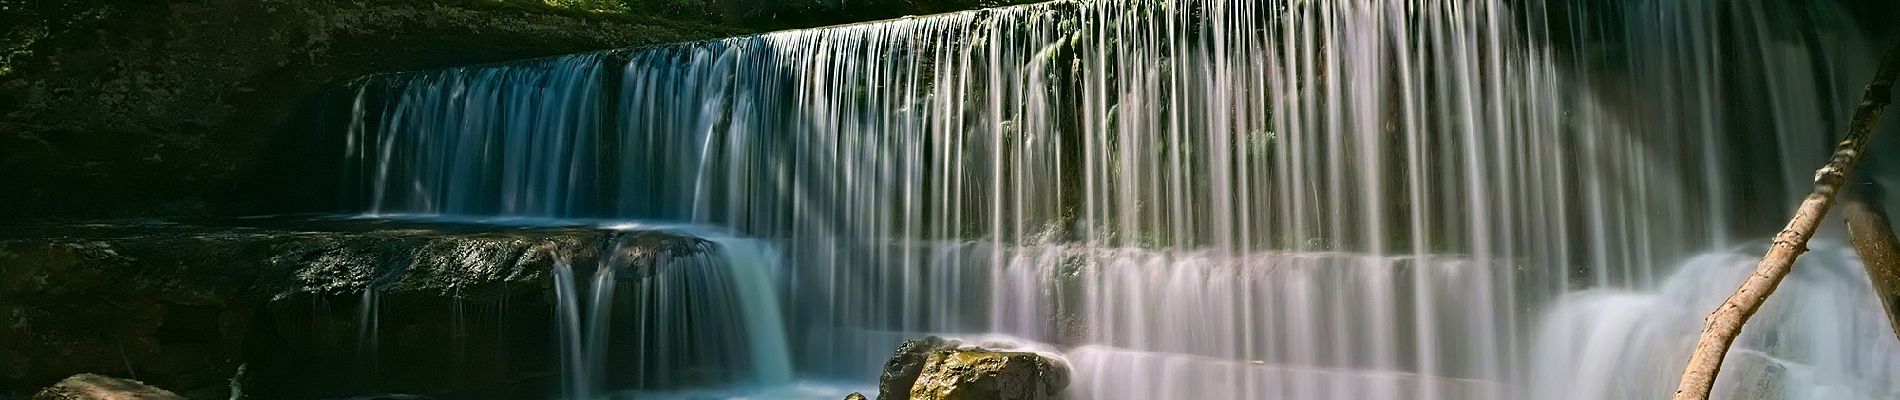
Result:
[
  {"x": 972, "y": 374},
  {"x": 936, "y": 368},
  {"x": 901, "y": 371}
]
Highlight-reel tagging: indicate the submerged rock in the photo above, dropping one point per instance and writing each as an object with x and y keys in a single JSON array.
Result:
[
  {"x": 970, "y": 374},
  {"x": 934, "y": 368},
  {"x": 99, "y": 387}
]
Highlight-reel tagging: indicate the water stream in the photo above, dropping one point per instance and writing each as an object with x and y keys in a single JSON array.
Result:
[
  {"x": 1191, "y": 199},
  {"x": 703, "y": 315}
]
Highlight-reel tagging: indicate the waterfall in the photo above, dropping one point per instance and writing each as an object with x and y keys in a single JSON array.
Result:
[
  {"x": 1819, "y": 338},
  {"x": 748, "y": 261},
  {"x": 707, "y": 314},
  {"x": 1195, "y": 198}
]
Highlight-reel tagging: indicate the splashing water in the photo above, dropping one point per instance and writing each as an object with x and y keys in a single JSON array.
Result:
[
  {"x": 711, "y": 316},
  {"x": 1198, "y": 199},
  {"x": 1819, "y": 337}
]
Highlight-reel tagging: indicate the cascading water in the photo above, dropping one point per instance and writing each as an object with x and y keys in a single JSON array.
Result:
[
  {"x": 1826, "y": 339},
  {"x": 701, "y": 314},
  {"x": 1197, "y": 199}
]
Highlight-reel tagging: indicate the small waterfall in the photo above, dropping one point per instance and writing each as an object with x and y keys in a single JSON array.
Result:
[
  {"x": 369, "y": 327},
  {"x": 1278, "y": 314},
  {"x": 577, "y": 372},
  {"x": 1196, "y": 198},
  {"x": 1818, "y": 338},
  {"x": 1106, "y": 373},
  {"x": 703, "y": 314},
  {"x": 749, "y": 263}
]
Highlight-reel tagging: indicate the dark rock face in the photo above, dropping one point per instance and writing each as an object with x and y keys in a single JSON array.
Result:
[
  {"x": 97, "y": 387},
  {"x": 130, "y": 108},
  {"x": 901, "y": 371},
  {"x": 165, "y": 107},
  {"x": 971, "y": 374},
  {"x": 309, "y": 309}
]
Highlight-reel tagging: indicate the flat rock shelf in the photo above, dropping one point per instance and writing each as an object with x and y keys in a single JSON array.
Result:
[{"x": 309, "y": 306}]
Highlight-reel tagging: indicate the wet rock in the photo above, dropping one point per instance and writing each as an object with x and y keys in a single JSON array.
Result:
[
  {"x": 901, "y": 371},
  {"x": 1751, "y": 376},
  {"x": 969, "y": 374},
  {"x": 317, "y": 308},
  {"x": 854, "y": 396},
  {"x": 99, "y": 387},
  {"x": 939, "y": 369}
]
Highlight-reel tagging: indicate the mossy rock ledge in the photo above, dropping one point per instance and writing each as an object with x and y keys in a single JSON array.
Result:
[{"x": 325, "y": 308}]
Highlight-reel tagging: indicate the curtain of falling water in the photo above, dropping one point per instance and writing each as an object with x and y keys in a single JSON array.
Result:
[
  {"x": 708, "y": 316},
  {"x": 1203, "y": 198}
]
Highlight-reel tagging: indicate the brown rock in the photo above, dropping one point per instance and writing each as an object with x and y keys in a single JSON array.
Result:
[
  {"x": 902, "y": 369},
  {"x": 969, "y": 374},
  {"x": 99, "y": 387}
]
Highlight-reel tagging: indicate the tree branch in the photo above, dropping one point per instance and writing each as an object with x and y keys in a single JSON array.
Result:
[
  {"x": 1725, "y": 323},
  {"x": 1872, "y": 234}
]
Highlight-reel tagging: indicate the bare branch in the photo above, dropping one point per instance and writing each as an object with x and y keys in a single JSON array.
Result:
[{"x": 1725, "y": 323}]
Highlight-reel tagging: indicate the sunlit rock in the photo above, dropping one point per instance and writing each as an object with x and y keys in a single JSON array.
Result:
[
  {"x": 902, "y": 369},
  {"x": 99, "y": 387},
  {"x": 969, "y": 374}
]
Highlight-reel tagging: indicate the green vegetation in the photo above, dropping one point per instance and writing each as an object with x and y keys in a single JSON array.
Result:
[{"x": 29, "y": 24}]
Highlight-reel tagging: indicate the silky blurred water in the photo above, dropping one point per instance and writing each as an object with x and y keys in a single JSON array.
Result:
[{"x": 1189, "y": 199}]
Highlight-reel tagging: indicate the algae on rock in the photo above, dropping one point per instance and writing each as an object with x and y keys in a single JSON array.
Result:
[{"x": 973, "y": 374}]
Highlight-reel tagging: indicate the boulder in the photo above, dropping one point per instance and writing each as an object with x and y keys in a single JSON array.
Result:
[
  {"x": 854, "y": 396},
  {"x": 936, "y": 368},
  {"x": 970, "y": 374},
  {"x": 99, "y": 387},
  {"x": 900, "y": 372}
]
